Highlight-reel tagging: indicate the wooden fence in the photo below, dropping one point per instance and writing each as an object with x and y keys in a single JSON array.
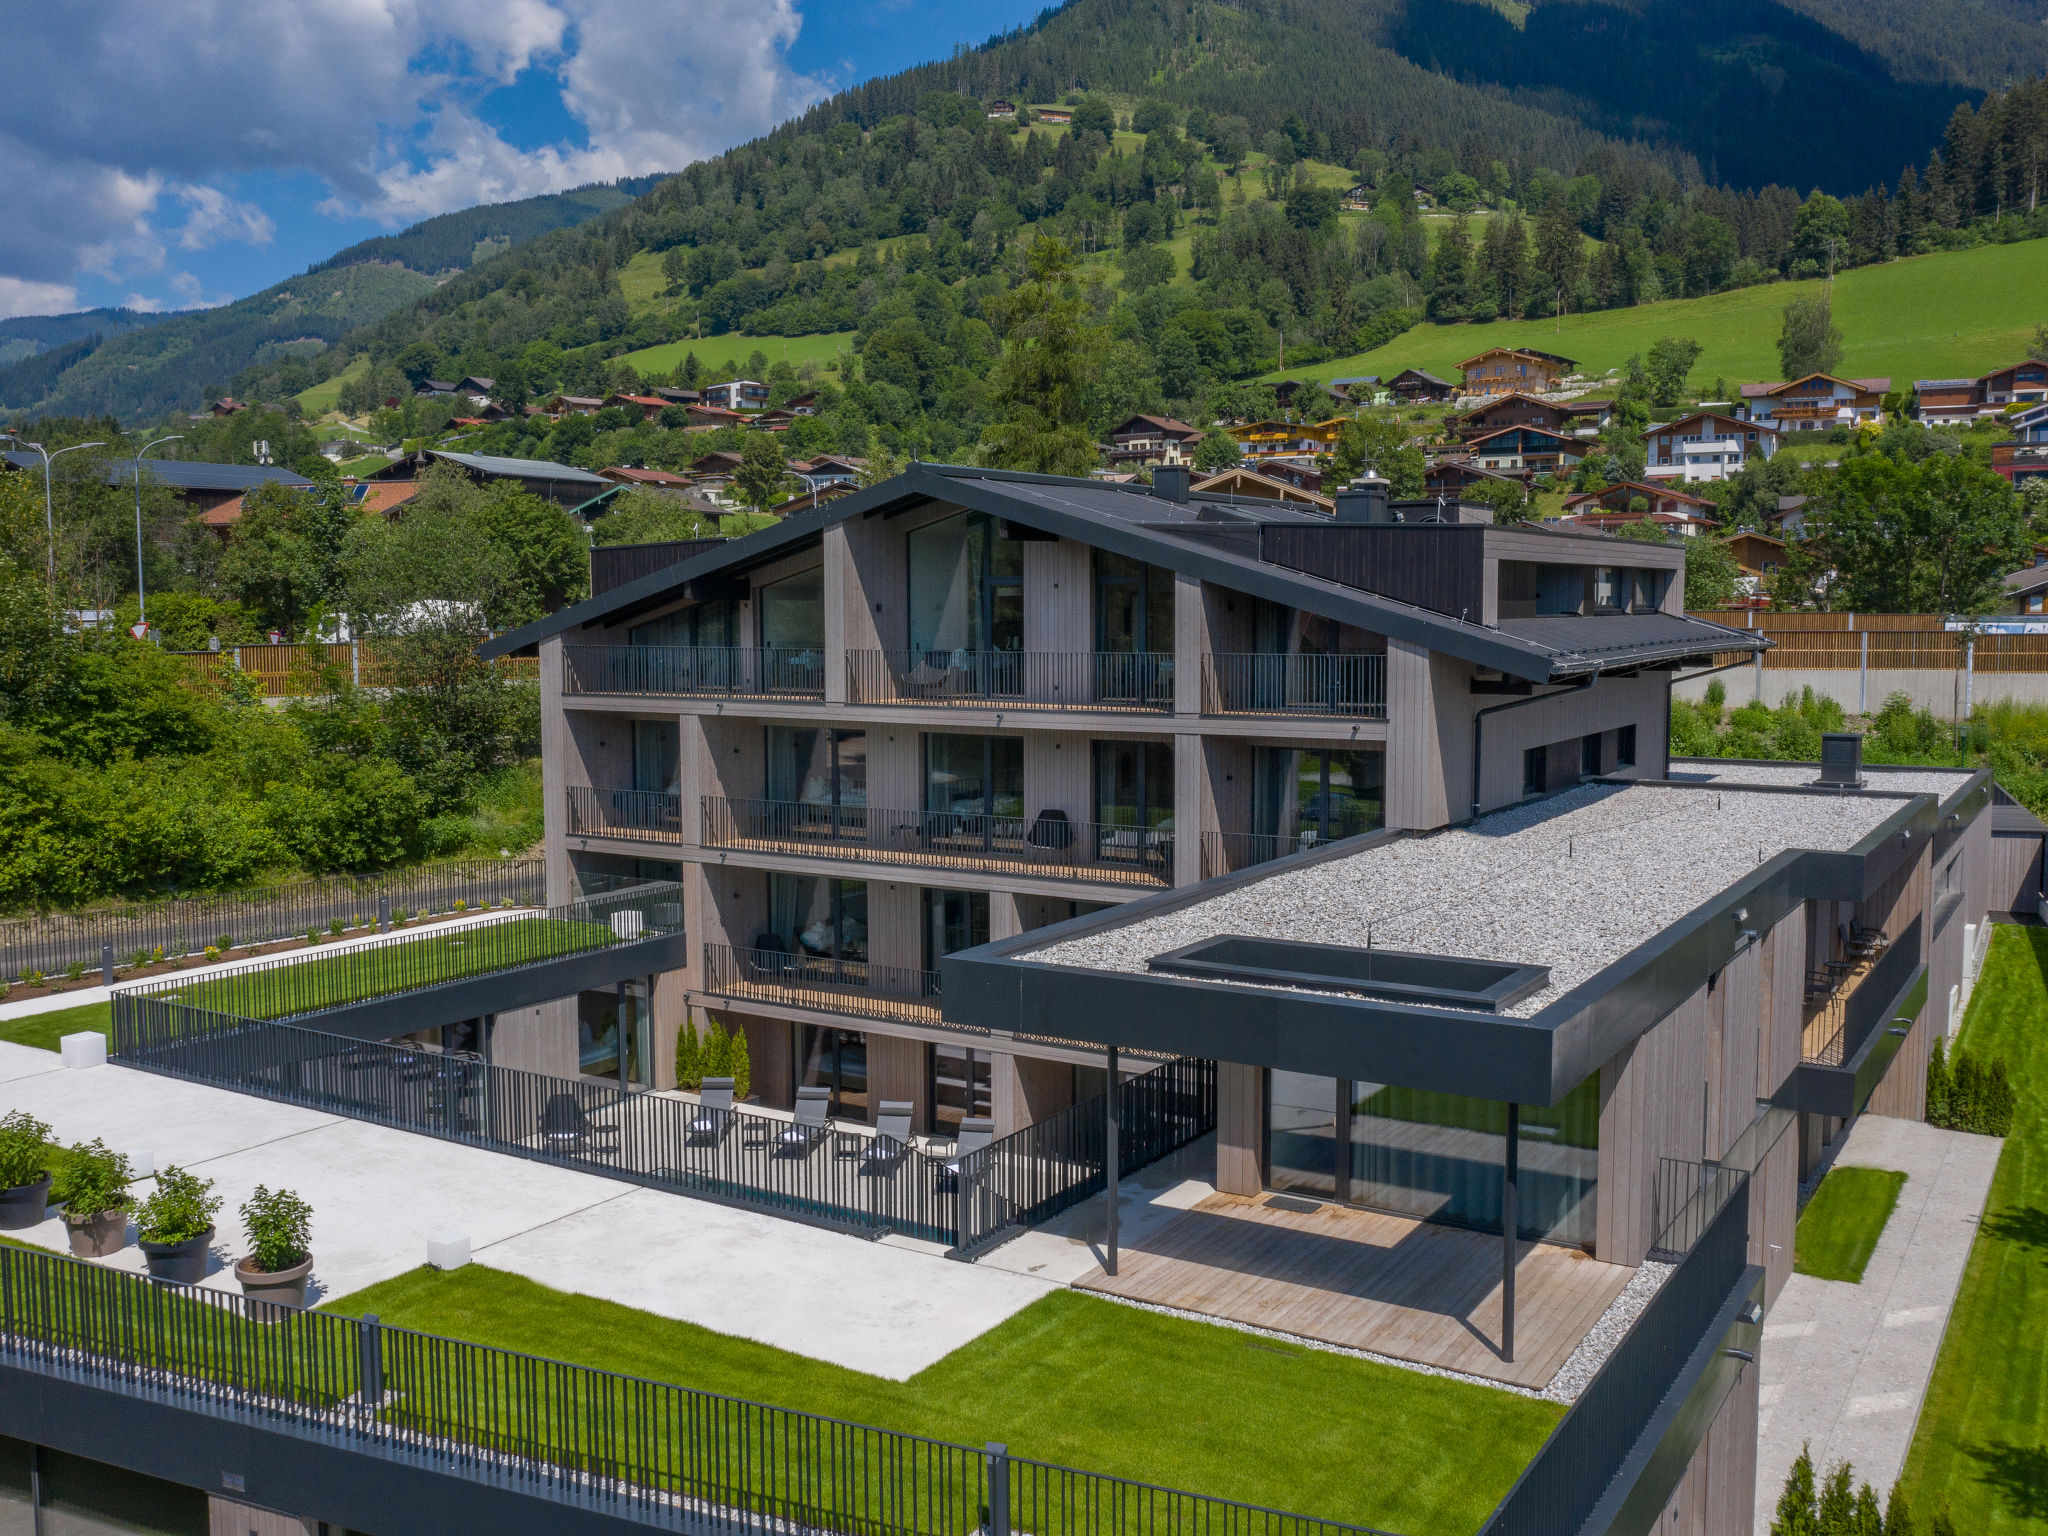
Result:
[
  {"x": 1883, "y": 642},
  {"x": 294, "y": 670}
]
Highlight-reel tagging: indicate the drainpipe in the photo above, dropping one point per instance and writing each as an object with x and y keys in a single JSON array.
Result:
[{"x": 1493, "y": 709}]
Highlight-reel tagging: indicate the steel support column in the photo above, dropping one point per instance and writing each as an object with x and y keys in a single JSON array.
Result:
[
  {"x": 1112, "y": 1136},
  {"x": 1510, "y": 1223}
]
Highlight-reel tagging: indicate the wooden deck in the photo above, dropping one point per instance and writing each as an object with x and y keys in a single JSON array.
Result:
[{"x": 1409, "y": 1289}]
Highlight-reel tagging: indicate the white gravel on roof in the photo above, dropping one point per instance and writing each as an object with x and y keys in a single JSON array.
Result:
[
  {"x": 1880, "y": 780},
  {"x": 1573, "y": 882}
]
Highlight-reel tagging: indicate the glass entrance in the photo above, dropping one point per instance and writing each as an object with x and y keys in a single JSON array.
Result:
[
  {"x": 614, "y": 1034},
  {"x": 836, "y": 1059}
]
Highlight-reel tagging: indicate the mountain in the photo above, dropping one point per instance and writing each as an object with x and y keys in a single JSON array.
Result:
[{"x": 145, "y": 365}]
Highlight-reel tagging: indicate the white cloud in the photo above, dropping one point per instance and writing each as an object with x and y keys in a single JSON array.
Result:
[
  {"x": 23, "y": 298},
  {"x": 125, "y": 123}
]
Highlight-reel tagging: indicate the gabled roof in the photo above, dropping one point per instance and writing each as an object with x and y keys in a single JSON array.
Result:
[
  {"x": 1211, "y": 538},
  {"x": 1424, "y": 375},
  {"x": 1241, "y": 481},
  {"x": 2008, "y": 368},
  {"x": 651, "y": 400},
  {"x": 1542, "y": 432},
  {"x": 1734, "y": 421},
  {"x": 492, "y": 465},
  {"x": 1165, "y": 426},
  {"x": 1779, "y": 386},
  {"x": 180, "y": 474},
  {"x": 1548, "y": 357},
  {"x": 1947, "y": 383},
  {"x": 1638, "y": 487},
  {"x": 1495, "y": 402},
  {"x": 629, "y": 476}
]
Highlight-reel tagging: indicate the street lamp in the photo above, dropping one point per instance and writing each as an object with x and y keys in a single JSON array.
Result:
[
  {"x": 141, "y": 600},
  {"x": 49, "y": 514}
]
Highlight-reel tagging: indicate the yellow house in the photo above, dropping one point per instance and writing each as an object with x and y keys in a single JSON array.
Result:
[{"x": 1266, "y": 439}]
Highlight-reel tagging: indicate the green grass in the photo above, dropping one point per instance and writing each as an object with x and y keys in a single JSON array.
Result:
[
  {"x": 1072, "y": 1379},
  {"x": 326, "y": 396},
  {"x": 1839, "y": 1229},
  {"x": 1981, "y": 1447},
  {"x": 45, "y": 1030},
  {"x": 1940, "y": 316},
  {"x": 351, "y": 975},
  {"x": 714, "y": 351}
]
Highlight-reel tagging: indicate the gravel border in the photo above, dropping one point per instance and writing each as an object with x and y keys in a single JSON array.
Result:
[
  {"x": 1572, "y": 1377},
  {"x": 1878, "y": 779},
  {"x": 1574, "y": 881}
]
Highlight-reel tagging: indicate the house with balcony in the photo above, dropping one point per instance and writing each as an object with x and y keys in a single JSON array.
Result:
[
  {"x": 1706, "y": 445},
  {"x": 736, "y": 395},
  {"x": 1146, "y": 440},
  {"x": 1663, "y": 501},
  {"x": 1513, "y": 370},
  {"x": 1286, "y": 439},
  {"x": 1528, "y": 449},
  {"x": 1514, "y": 409},
  {"x": 1412, "y": 386},
  {"x": 1815, "y": 403}
]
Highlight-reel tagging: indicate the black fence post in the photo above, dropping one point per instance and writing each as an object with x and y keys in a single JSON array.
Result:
[
  {"x": 998, "y": 1522},
  {"x": 106, "y": 964},
  {"x": 383, "y": 909},
  {"x": 370, "y": 1344}
]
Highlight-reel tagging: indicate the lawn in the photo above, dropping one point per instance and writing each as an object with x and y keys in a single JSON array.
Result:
[
  {"x": 351, "y": 975},
  {"x": 1077, "y": 1380},
  {"x": 45, "y": 1030},
  {"x": 1981, "y": 1447},
  {"x": 1839, "y": 1229},
  {"x": 714, "y": 352},
  {"x": 326, "y": 395},
  {"x": 1947, "y": 315}
]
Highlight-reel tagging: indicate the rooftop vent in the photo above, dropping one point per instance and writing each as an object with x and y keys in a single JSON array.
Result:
[
  {"x": 1433, "y": 981},
  {"x": 1170, "y": 482},
  {"x": 1364, "y": 501},
  {"x": 1841, "y": 760}
]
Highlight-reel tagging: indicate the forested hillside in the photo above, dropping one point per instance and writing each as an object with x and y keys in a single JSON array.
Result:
[
  {"x": 27, "y": 335},
  {"x": 454, "y": 241}
]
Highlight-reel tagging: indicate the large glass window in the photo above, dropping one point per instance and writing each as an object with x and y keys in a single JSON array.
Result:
[
  {"x": 812, "y": 766},
  {"x": 953, "y": 921},
  {"x": 793, "y": 612},
  {"x": 1314, "y": 796},
  {"x": 962, "y": 1084},
  {"x": 974, "y": 775},
  {"x": 1436, "y": 1156},
  {"x": 966, "y": 586},
  {"x": 820, "y": 917},
  {"x": 657, "y": 756},
  {"x": 1133, "y": 606},
  {"x": 614, "y": 1033},
  {"x": 699, "y": 624},
  {"x": 836, "y": 1059},
  {"x": 1134, "y": 784}
]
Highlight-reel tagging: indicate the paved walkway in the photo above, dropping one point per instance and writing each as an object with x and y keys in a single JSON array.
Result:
[
  {"x": 887, "y": 1308},
  {"x": 1845, "y": 1366}
]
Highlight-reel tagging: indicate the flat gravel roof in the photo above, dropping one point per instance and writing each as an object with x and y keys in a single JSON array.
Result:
[
  {"x": 1574, "y": 882},
  {"x": 1939, "y": 782}
]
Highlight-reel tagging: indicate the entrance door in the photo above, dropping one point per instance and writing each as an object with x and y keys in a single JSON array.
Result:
[{"x": 836, "y": 1059}]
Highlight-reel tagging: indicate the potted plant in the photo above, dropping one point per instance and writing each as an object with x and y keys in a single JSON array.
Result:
[
  {"x": 280, "y": 1226},
  {"x": 92, "y": 1187},
  {"x": 24, "y": 1181},
  {"x": 175, "y": 1225}
]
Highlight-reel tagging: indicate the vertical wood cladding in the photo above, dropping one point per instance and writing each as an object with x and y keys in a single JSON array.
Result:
[
  {"x": 1903, "y": 1093},
  {"x": 1717, "y": 1495},
  {"x": 1434, "y": 566},
  {"x": 1240, "y": 1131}
]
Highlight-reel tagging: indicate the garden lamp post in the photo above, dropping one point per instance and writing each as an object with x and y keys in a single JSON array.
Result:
[
  {"x": 49, "y": 514},
  {"x": 141, "y": 598}
]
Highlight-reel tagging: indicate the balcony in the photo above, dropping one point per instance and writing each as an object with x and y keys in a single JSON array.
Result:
[
  {"x": 1013, "y": 679},
  {"x": 693, "y": 671},
  {"x": 1225, "y": 853},
  {"x": 857, "y": 987},
  {"x": 641, "y": 815},
  {"x": 1858, "y": 1015},
  {"x": 1048, "y": 845},
  {"x": 1340, "y": 687}
]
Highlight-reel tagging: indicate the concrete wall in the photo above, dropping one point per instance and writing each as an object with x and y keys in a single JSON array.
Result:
[{"x": 1927, "y": 687}]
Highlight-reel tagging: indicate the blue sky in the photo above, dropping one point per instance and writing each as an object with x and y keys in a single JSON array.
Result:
[{"x": 170, "y": 153}]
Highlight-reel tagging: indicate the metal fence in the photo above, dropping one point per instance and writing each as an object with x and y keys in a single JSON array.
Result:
[
  {"x": 694, "y": 671},
  {"x": 1868, "y": 1005},
  {"x": 295, "y": 670},
  {"x": 647, "y": 815},
  {"x": 1047, "y": 845},
  {"x": 859, "y": 987},
  {"x": 661, "y": 1455},
  {"x": 1347, "y": 686},
  {"x": 186, "y": 925},
  {"x": 1557, "y": 1492},
  {"x": 307, "y": 982},
  {"x": 1045, "y": 679}
]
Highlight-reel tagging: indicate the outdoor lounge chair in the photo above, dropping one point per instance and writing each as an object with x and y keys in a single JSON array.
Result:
[
  {"x": 712, "y": 1122},
  {"x": 892, "y": 1136},
  {"x": 976, "y": 1132},
  {"x": 566, "y": 1129},
  {"x": 809, "y": 1128}
]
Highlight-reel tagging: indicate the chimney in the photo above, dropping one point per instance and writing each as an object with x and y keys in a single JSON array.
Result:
[
  {"x": 1841, "y": 760},
  {"x": 1170, "y": 482},
  {"x": 1364, "y": 501}
]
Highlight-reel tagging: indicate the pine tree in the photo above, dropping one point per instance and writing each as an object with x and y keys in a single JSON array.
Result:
[
  {"x": 717, "y": 1058},
  {"x": 740, "y": 1061},
  {"x": 1796, "y": 1515},
  {"x": 1938, "y": 1083},
  {"x": 1049, "y": 364},
  {"x": 1866, "y": 1521},
  {"x": 1898, "y": 1514},
  {"x": 689, "y": 1056},
  {"x": 1450, "y": 273},
  {"x": 1943, "y": 1523},
  {"x": 1560, "y": 253},
  {"x": 1836, "y": 1514}
]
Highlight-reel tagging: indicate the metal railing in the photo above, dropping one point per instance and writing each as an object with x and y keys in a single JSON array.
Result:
[
  {"x": 1047, "y": 845},
  {"x": 1689, "y": 1195},
  {"x": 835, "y": 986},
  {"x": 297, "y": 670},
  {"x": 645, "y": 815},
  {"x": 1571, "y": 1473},
  {"x": 657, "y": 1454},
  {"x": 694, "y": 671},
  {"x": 292, "y": 985},
  {"x": 1352, "y": 687},
  {"x": 1865, "y": 1005},
  {"x": 1038, "y": 679},
  {"x": 186, "y": 925},
  {"x": 1225, "y": 853}
]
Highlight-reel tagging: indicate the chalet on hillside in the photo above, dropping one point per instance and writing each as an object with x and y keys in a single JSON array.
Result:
[
  {"x": 575, "y": 490},
  {"x": 1671, "y": 526},
  {"x": 199, "y": 487},
  {"x": 1505, "y": 370},
  {"x": 828, "y": 469},
  {"x": 1461, "y": 479},
  {"x": 677, "y": 396},
  {"x": 1002, "y": 112},
  {"x": 1814, "y": 403},
  {"x": 2019, "y": 463},
  {"x": 1257, "y": 482},
  {"x": 1413, "y": 386},
  {"x": 646, "y": 479},
  {"x": 1053, "y": 115},
  {"x": 226, "y": 406},
  {"x": 1706, "y": 445},
  {"x": 574, "y": 405},
  {"x": 1539, "y": 452},
  {"x": 708, "y": 418},
  {"x": 1757, "y": 555},
  {"x": 737, "y": 395},
  {"x": 2022, "y": 383},
  {"x": 1152, "y": 440},
  {"x": 1262, "y": 439},
  {"x": 1666, "y": 500},
  {"x": 1588, "y": 415},
  {"x": 646, "y": 407},
  {"x": 1513, "y": 410}
]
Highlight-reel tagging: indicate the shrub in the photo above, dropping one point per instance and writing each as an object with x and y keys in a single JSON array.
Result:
[
  {"x": 24, "y": 1142},
  {"x": 224, "y": 943},
  {"x": 1968, "y": 1095},
  {"x": 461, "y": 905},
  {"x": 156, "y": 955},
  {"x": 181, "y": 1207},
  {"x": 75, "y": 969},
  {"x": 138, "y": 960},
  {"x": 1937, "y": 1083},
  {"x": 280, "y": 1227},
  {"x": 34, "y": 979},
  {"x": 739, "y": 1064},
  {"x": 212, "y": 953},
  {"x": 92, "y": 1181},
  {"x": 335, "y": 925},
  {"x": 398, "y": 915},
  {"x": 689, "y": 1056},
  {"x": 312, "y": 935}
]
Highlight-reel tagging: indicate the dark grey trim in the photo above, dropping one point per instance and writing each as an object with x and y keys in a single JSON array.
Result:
[
  {"x": 1845, "y": 1091},
  {"x": 382, "y": 1018},
  {"x": 279, "y": 1469}
]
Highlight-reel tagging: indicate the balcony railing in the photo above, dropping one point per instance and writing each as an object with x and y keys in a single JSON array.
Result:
[
  {"x": 1225, "y": 853},
  {"x": 1016, "y": 679},
  {"x": 644, "y": 815},
  {"x": 1351, "y": 687},
  {"x": 858, "y": 987},
  {"x": 694, "y": 671},
  {"x": 1047, "y": 845}
]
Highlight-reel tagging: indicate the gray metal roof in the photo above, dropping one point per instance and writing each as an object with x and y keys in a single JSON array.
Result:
[
  {"x": 1214, "y": 538},
  {"x": 181, "y": 474},
  {"x": 522, "y": 469}
]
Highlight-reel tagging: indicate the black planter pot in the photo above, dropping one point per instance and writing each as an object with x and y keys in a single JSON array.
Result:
[
  {"x": 180, "y": 1263},
  {"x": 25, "y": 1205}
]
